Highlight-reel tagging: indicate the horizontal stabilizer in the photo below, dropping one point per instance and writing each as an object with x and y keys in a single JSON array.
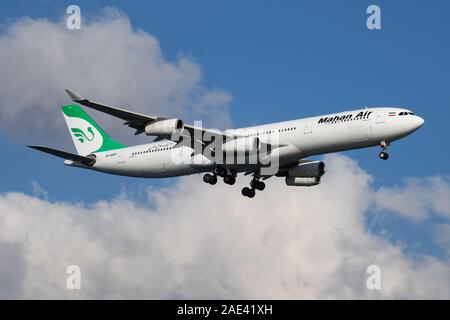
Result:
[{"x": 65, "y": 155}]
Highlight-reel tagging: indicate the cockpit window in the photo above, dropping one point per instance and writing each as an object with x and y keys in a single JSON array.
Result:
[{"x": 401, "y": 114}]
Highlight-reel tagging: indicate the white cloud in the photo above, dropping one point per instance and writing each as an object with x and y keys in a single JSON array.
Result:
[
  {"x": 193, "y": 240},
  {"x": 107, "y": 60},
  {"x": 37, "y": 190},
  {"x": 199, "y": 241},
  {"x": 417, "y": 199},
  {"x": 442, "y": 236}
]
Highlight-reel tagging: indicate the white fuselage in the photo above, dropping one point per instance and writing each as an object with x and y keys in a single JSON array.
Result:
[{"x": 298, "y": 139}]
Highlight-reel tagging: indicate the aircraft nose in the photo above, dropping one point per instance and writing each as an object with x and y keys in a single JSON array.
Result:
[{"x": 418, "y": 122}]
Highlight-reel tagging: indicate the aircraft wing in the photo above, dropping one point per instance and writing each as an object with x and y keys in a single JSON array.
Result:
[
  {"x": 65, "y": 155},
  {"x": 139, "y": 121}
]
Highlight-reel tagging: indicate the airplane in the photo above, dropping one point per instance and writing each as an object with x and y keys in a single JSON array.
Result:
[{"x": 288, "y": 144}]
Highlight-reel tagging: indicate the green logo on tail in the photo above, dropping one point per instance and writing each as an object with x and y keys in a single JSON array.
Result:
[{"x": 81, "y": 135}]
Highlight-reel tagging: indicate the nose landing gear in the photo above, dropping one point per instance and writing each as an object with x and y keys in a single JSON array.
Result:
[{"x": 383, "y": 154}]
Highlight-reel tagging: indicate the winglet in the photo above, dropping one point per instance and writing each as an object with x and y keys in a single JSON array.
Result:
[{"x": 75, "y": 97}]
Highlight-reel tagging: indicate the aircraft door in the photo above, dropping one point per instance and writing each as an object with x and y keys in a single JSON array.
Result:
[
  {"x": 120, "y": 158},
  {"x": 380, "y": 117},
  {"x": 370, "y": 129},
  {"x": 308, "y": 128},
  {"x": 370, "y": 122}
]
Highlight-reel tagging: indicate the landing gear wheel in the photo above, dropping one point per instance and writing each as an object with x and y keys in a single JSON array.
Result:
[
  {"x": 384, "y": 155},
  {"x": 245, "y": 191},
  {"x": 229, "y": 180},
  {"x": 258, "y": 185},
  {"x": 221, "y": 172},
  {"x": 209, "y": 178}
]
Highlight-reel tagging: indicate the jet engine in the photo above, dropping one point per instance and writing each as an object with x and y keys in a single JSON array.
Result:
[
  {"x": 305, "y": 174},
  {"x": 302, "y": 182},
  {"x": 242, "y": 145},
  {"x": 164, "y": 127},
  {"x": 311, "y": 169}
]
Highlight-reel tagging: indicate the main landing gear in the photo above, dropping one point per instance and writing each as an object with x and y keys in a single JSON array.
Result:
[
  {"x": 229, "y": 180},
  {"x": 247, "y": 192},
  {"x": 255, "y": 185},
  {"x": 229, "y": 177},
  {"x": 209, "y": 178},
  {"x": 383, "y": 154}
]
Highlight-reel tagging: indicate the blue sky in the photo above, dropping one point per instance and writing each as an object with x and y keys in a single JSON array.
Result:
[{"x": 281, "y": 60}]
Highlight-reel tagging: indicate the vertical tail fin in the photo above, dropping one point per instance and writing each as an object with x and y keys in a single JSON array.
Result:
[{"x": 87, "y": 135}]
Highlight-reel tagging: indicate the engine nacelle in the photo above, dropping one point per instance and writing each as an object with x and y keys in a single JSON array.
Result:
[
  {"x": 164, "y": 127},
  {"x": 302, "y": 182},
  {"x": 311, "y": 169},
  {"x": 242, "y": 145}
]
